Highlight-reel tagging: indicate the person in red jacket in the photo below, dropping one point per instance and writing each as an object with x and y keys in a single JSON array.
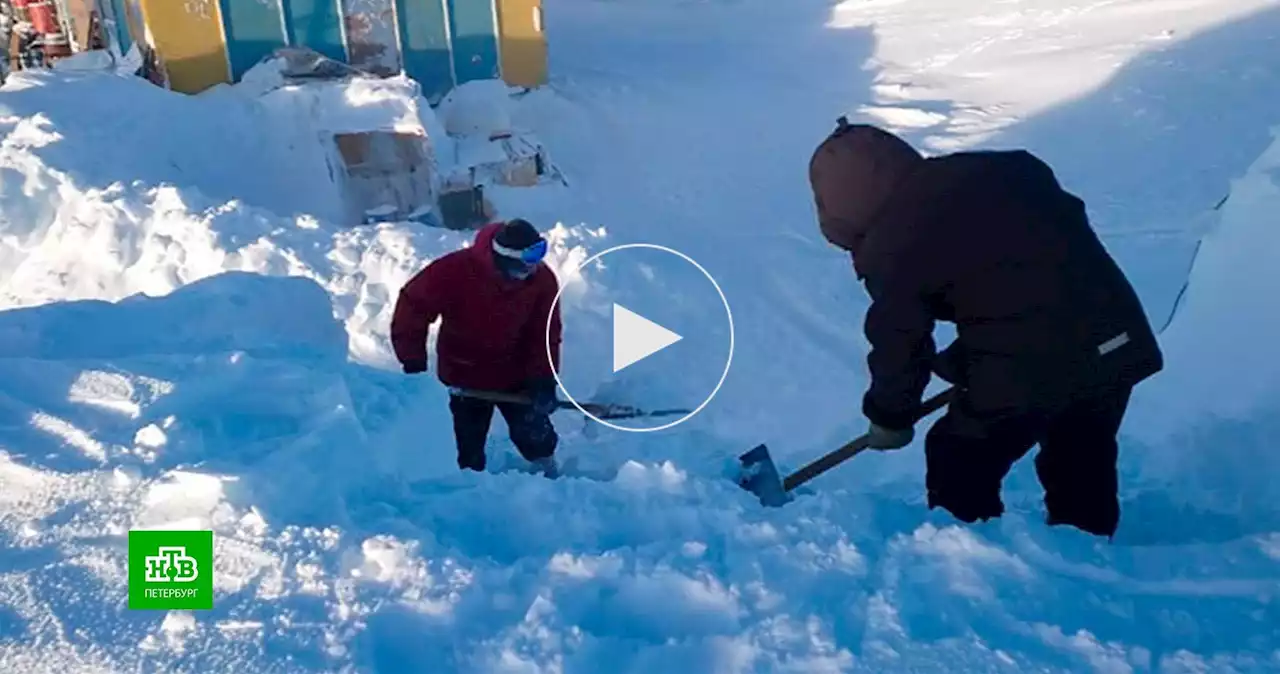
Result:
[{"x": 500, "y": 331}]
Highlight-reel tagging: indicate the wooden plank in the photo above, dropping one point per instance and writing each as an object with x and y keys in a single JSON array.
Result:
[
  {"x": 387, "y": 175},
  {"x": 187, "y": 35},
  {"x": 473, "y": 25},
  {"x": 81, "y": 12},
  {"x": 523, "y": 44},
  {"x": 424, "y": 42},
  {"x": 371, "y": 36},
  {"x": 254, "y": 29},
  {"x": 316, "y": 25}
]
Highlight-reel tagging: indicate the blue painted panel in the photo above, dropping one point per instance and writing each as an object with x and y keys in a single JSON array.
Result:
[
  {"x": 315, "y": 24},
  {"x": 475, "y": 40},
  {"x": 253, "y": 29},
  {"x": 424, "y": 46}
]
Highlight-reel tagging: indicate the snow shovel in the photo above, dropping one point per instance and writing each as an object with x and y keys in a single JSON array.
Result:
[
  {"x": 760, "y": 475},
  {"x": 601, "y": 410}
]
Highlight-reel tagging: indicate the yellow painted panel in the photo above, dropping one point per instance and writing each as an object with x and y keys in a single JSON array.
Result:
[
  {"x": 187, "y": 34},
  {"x": 522, "y": 43}
]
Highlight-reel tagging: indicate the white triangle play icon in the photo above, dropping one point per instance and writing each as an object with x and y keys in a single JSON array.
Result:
[{"x": 636, "y": 337}]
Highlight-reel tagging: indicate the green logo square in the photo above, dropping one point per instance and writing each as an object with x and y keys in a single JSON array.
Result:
[{"x": 171, "y": 570}]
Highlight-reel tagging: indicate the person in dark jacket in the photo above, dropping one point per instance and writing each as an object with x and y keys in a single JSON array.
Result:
[
  {"x": 500, "y": 331},
  {"x": 1051, "y": 337}
]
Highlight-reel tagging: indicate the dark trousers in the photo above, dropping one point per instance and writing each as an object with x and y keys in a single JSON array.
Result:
[
  {"x": 532, "y": 434},
  {"x": 968, "y": 452}
]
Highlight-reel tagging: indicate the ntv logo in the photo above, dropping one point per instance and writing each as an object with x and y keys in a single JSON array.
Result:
[
  {"x": 171, "y": 570},
  {"x": 171, "y": 565}
]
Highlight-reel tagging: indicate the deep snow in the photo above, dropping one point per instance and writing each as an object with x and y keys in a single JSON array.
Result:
[{"x": 253, "y": 392}]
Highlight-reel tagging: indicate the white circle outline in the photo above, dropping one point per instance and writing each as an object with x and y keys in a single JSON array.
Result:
[{"x": 546, "y": 339}]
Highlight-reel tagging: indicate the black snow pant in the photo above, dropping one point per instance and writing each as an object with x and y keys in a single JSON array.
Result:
[
  {"x": 532, "y": 434},
  {"x": 968, "y": 452}
]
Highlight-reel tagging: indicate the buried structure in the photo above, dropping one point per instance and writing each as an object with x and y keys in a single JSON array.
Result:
[{"x": 399, "y": 160}]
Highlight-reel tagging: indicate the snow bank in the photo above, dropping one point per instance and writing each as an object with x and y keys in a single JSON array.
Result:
[
  {"x": 228, "y": 182},
  {"x": 477, "y": 108},
  {"x": 234, "y": 367},
  {"x": 1224, "y": 336},
  {"x": 256, "y": 315},
  {"x": 84, "y": 130},
  {"x": 223, "y": 405},
  {"x": 1212, "y": 416}
]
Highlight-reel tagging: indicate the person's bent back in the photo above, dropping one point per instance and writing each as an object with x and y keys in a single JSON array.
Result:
[{"x": 1051, "y": 335}]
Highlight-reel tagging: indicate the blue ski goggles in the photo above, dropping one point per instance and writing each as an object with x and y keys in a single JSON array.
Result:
[{"x": 530, "y": 256}]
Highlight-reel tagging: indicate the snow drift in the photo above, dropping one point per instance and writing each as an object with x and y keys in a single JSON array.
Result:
[
  {"x": 1210, "y": 419},
  {"x": 85, "y": 215}
]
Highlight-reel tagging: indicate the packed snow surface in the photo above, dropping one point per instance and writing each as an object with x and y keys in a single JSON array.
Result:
[{"x": 190, "y": 341}]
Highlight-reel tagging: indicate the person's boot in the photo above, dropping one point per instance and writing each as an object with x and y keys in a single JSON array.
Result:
[
  {"x": 1095, "y": 515},
  {"x": 547, "y": 466},
  {"x": 967, "y": 510}
]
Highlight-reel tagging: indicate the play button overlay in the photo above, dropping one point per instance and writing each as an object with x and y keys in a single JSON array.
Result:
[
  {"x": 650, "y": 330},
  {"x": 636, "y": 337}
]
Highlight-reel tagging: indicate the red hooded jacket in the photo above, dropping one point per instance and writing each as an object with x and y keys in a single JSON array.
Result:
[{"x": 493, "y": 332}]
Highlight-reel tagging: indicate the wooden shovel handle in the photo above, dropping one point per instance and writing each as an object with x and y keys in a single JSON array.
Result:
[
  {"x": 849, "y": 450},
  {"x": 517, "y": 398},
  {"x": 494, "y": 396}
]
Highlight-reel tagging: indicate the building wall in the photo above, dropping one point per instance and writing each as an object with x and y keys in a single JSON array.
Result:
[
  {"x": 253, "y": 30},
  {"x": 316, "y": 24},
  {"x": 188, "y": 35},
  {"x": 422, "y": 28},
  {"x": 439, "y": 43}
]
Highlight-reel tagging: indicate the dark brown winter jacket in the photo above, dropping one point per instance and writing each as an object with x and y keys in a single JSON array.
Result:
[{"x": 991, "y": 242}]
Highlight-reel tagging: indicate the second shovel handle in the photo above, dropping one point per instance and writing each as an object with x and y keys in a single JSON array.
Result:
[{"x": 597, "y": 409}]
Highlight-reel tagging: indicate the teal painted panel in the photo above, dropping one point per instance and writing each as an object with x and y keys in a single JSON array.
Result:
[
  {"x": 120, "y": 16},
  {"x": 254, "y": 29},
  {"x": 315, "y": 24},
  {"x": 474, "y": 28},
  {"x": 424, "y": 46}
]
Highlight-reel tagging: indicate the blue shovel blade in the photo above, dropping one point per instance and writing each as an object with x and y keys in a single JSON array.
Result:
[{"x": 760, "y": 477}]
